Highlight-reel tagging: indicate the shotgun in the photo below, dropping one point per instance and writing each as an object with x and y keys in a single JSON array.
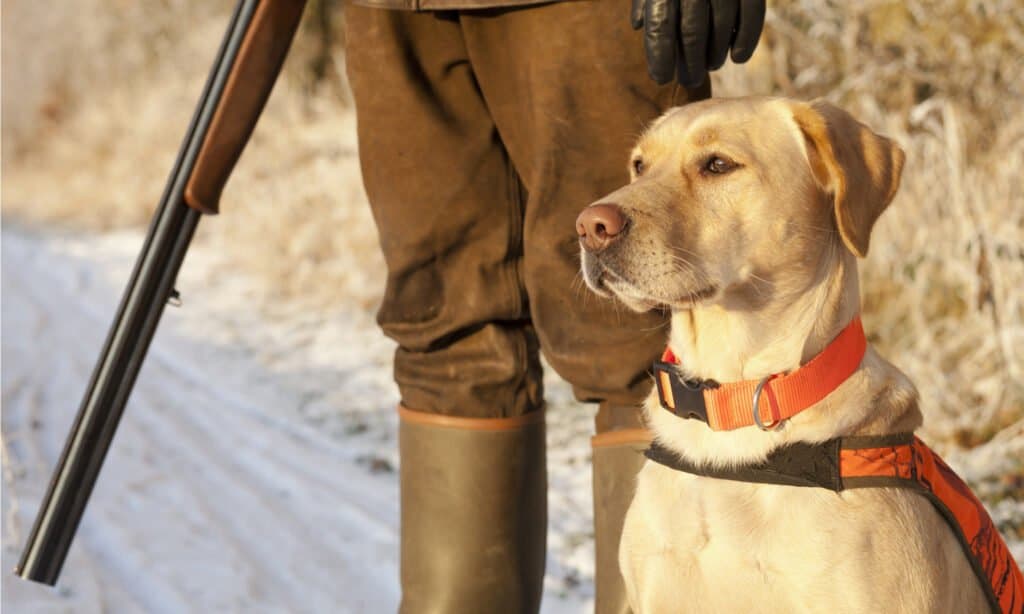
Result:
[{"x": 247, "y": 65}]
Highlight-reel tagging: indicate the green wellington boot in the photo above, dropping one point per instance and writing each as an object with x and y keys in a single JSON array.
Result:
[
  {"x": 474, "y": 513},
  {"x": 618, "y": 456}
]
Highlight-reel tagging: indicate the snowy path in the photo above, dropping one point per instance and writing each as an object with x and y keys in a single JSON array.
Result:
[{"x": 217, "y": 495}]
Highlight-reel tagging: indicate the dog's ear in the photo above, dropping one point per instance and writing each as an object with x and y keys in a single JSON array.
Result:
[{"x": 858, "y": 168}]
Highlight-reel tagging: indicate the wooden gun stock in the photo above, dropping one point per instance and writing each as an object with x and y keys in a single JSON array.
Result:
[{"x": 248, "y": 85}]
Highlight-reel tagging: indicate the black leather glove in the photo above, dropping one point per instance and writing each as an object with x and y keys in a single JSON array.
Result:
[{"x": 687, "y": 38}]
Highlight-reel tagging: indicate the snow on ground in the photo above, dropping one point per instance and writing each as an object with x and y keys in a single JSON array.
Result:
[{"x": 254, "y": 468}]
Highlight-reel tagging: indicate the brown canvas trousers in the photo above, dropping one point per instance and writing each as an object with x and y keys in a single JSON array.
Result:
[{"x": 482, "y": 134}]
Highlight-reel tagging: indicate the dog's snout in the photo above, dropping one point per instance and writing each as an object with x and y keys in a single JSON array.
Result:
[{"x": 600, "y": 225}]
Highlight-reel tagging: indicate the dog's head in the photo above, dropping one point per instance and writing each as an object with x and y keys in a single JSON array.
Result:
[{"x": 730, "y": 199}]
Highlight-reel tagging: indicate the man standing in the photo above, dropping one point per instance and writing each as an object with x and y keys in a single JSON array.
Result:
[{"x": 485, "y": 126}]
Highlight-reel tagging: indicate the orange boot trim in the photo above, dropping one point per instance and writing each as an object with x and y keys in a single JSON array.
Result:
[
  {"x": 412, "y": 416},
  {"x": 621, "y": 437}
]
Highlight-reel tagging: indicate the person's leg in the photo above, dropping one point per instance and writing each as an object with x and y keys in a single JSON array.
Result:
[
  {"x": 448, "y": 207},
  {"x": 568, "y": 88}
]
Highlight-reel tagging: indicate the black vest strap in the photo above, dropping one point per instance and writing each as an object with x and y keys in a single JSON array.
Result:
[{"x": 798, "y": 464}]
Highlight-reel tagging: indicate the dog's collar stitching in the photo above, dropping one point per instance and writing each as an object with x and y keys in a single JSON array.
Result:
[{"x": 730, "y": 406}]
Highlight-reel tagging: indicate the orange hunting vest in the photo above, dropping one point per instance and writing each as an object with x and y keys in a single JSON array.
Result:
[{"x": 901, "y": 461}]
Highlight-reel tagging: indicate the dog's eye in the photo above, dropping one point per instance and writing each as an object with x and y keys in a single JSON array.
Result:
[
  {"x": 718, "y": 165},
  {"x": 638, "y": 166}
]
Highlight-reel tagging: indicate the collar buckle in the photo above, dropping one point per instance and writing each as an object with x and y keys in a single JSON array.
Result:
[{"x": 682, "y": 397}]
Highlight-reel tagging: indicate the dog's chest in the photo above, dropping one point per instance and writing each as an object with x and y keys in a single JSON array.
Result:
[
  {"x": 732, "y": 526},
  {"x": 733, "y": 546}
]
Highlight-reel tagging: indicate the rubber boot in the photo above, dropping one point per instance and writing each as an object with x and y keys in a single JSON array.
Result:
[
  {"x": 474, "y": 513},
  {"x": 617, "y": 458}
]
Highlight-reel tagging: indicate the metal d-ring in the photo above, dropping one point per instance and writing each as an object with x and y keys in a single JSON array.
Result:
[{"x": 774, "y": 426}]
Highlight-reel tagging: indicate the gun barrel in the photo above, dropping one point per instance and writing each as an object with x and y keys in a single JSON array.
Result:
[{"x": 152, "y": 280}]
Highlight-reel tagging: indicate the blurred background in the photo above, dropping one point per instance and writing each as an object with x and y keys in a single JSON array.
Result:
[{"x": 97, "y": 95}]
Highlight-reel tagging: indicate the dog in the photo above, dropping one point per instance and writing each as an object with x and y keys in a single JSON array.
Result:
[{"x": 745, "y": 218}]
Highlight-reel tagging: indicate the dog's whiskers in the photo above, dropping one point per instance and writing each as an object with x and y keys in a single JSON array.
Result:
[{"x": 677, "y": 248}]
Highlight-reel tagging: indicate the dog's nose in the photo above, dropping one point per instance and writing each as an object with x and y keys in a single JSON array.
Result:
[{"x": 600, "y": 225}]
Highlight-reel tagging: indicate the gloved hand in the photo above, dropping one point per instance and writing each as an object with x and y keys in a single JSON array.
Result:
[{"x": 687, "y": 38}]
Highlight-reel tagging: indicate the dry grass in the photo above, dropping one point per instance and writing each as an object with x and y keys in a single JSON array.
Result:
[
  {"x": 82, "y": 156},
  {"x": 92, "y": 122}
]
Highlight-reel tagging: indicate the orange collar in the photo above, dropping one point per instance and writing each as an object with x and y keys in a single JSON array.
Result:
[{"x": 766, "y": 402}]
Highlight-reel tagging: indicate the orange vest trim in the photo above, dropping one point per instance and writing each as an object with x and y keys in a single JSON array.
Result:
[
  {"x": 901, "y": 461},
  {"x": 917, "y": 463}
]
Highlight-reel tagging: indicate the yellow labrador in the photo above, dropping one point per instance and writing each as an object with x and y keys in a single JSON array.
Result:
[{"x": 745, "y": 218}]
